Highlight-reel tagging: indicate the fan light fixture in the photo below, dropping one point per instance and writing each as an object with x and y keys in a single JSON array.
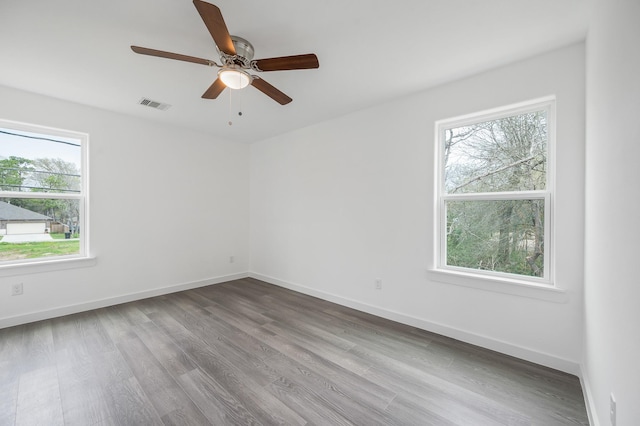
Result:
[
  {"x": 234, "y": 77},
  {"x": 236, "y": 58}
]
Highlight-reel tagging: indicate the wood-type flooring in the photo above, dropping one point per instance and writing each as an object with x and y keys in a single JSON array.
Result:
[{"x": 247, "y": 352}]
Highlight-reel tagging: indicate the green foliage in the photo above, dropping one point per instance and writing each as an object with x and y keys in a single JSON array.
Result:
[
  {"x": 480, "y": 237},
  {"x": 56, "y": 175},
  {"x": 13, "y": 172}
]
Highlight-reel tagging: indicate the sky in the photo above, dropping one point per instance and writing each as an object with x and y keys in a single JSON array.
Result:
[{"x": 27, "y": 145}]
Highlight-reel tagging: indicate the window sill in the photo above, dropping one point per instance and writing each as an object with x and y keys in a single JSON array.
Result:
[
  {"x": 499, "y": 285},
  {"x": 46, "y": 266}
]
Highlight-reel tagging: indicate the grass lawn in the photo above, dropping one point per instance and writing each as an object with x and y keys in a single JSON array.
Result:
[
  {"x": 61, "y": 236},
  {"x": 14, "y": 251}
]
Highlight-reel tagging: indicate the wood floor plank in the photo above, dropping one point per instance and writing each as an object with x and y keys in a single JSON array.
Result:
[
  {"x": 440, "y": 399},
  {"x": 234, "y": 376},
  {"x": 218, "y": 405},
  {"x": 12, "y": 354},
  {"x": 411, "y": 413},
  {"x": 132, "y": 312},
  {"x": 95, "y": 337},
  {"x": 165, "y": 350},
  {"x": 39, "y": 398},
  {"x": 246, "y": 352},
  {"x": 311, "y": 406},
  {"x": 230, "y": 356},
  {"x": 117, "y": 327},
  {"x": 130, "y": 404},
  {"x": 238, "y": 304},
  {"x": 263, "y": 405},
  {"x": 182, "y": 417},
  {"x": 309, "y": 328},
  {"x": 39, "y": 348},
  {"x": 11, "y": 343},
  {"x": 209, "y": 320},
  {"x": 84, "y": 403},
  {"x": 357, "y": 402},
  {"x": 8, "y": 394},
  {"x": 110, "y": 367},
  {"x": 417, "y": 383},
  {"x": 161, "y": 389},
  {"x": 507, "y": 379},
  {"x": 82, "y": 397},
  {"x": 386, "y": 335},
  {"x": 303, "y": 348}
]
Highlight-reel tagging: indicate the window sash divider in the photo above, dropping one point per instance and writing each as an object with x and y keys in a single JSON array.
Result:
[
  {"x": 43, "y": 195},
  {"x": 488, "y": 196}
]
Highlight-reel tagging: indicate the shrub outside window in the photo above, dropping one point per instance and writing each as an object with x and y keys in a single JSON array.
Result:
[
  {"x": 495, "y": 192},
  {"x": 43, "y": 195}
]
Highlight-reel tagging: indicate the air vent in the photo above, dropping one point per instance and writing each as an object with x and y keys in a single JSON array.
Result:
[{"x": 154, "y": 104}]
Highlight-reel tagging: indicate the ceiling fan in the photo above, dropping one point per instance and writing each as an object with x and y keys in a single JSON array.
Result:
[{"x": 236, "y": 57}]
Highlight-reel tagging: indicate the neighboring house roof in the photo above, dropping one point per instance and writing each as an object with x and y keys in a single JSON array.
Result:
[{"x": 11, "y": 212}]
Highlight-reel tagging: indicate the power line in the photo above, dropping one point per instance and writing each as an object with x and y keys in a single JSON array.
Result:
[
  {"x": 41, "y": 189},
  {"x": 39, "y": 171},
  {"x": 38, "y": 137}
]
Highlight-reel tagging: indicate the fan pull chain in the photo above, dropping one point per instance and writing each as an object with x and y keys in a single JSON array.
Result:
[
  {"x": 231, "y": 105},
  {"x": 230, "y": 122}
]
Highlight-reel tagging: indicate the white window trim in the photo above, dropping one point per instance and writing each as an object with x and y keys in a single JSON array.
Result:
[
  {"x": 45, "y": 264},
  {"x": 537, "y": 287}
]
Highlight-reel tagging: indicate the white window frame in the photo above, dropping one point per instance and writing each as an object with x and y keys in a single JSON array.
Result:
[
  {"x": 492, "y": 280},
  {"x": 44, "y": 264}
]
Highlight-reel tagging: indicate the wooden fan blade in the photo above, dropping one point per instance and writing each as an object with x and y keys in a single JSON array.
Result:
[
  {"x": 214, "y": 21},
  {"x": 214, "y": 90},
  {"x": 270, "y": 91},
  {"x": 295, "y": 62},
  {"x": 169, "y": 55}
]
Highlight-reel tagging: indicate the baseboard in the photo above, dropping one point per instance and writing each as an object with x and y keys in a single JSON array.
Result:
[
  {"x": 110, "y": 301},
  {"x": 588, "y": 398},
  {"x": 487, "y": 342}
]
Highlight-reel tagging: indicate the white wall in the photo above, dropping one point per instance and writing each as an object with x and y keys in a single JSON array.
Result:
[
  {"x": 339, "y": 204},
  {"x": 612, "y": 287},
  {"x": 168, "y": 207}
]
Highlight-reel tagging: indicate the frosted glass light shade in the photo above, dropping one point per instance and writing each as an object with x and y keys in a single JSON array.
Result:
[{"x": 234, "y": 78}]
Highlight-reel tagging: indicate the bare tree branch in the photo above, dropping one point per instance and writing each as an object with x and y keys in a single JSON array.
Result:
[{"x": 493, "y": 172}]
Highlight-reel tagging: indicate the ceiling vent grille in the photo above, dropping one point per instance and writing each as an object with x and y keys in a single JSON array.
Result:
[{"x": 154, "y": 104}]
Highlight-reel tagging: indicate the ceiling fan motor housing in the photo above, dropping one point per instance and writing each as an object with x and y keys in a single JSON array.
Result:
[{"x": 244, "y": 49}]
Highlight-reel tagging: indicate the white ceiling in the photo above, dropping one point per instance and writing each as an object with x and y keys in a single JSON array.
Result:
[{"x": 369, "y": 51}]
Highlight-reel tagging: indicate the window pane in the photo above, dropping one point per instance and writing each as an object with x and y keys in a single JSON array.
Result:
[
  {"x": 38, "y": 227},
  {"x": 32, "y": 162},
  {"x": 506, "y": 154},
  {"x": 500, "y": 235}
]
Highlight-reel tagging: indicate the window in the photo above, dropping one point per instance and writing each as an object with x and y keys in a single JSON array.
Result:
[
  {"x": 495, "y": 193},
  {"x": 43, "y": 194}
]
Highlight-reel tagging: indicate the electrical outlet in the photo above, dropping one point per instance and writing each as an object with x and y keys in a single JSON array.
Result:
[
  {"x": 378, "y": 284},
  {"x": 16, "y": 289},
  {"x": 612, "y": 409}
]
